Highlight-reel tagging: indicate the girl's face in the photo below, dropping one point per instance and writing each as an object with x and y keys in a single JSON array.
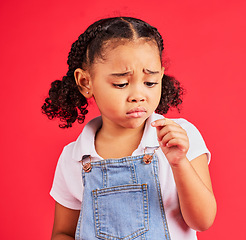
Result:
[{"x": 126, "y": 84}]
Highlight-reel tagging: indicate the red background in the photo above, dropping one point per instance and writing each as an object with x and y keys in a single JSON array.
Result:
[{"x": 205, "y": 43}]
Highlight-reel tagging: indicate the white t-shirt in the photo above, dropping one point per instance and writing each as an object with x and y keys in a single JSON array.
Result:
[{"x": 67, "y": 186}]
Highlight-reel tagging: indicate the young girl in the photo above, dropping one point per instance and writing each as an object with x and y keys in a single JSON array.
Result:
[{"x": 131, "y": 174}]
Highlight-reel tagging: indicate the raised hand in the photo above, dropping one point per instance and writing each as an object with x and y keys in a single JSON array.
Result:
[{"x": 173, "y": 140}]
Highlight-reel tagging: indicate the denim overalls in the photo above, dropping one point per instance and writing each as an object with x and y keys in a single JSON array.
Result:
[{"x": 122, "y": 200}]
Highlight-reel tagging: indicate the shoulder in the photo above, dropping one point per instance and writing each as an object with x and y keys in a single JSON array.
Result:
[
  {"x": 67, "y": 188},
  {"x": 66, "y": 164},
  {"x": 68, "y": 149}
]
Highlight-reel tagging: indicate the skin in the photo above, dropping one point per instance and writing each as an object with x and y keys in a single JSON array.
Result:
[{"x": 126, "y": 86}]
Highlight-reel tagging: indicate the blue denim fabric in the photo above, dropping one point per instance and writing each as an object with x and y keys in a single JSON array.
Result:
[{"x": 122, "y": 200}]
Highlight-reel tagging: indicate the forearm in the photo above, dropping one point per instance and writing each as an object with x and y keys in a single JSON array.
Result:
[{"x": 197, "y": 202}]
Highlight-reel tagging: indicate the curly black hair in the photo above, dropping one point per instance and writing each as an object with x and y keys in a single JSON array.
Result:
[{"x": 65, "y": 100}]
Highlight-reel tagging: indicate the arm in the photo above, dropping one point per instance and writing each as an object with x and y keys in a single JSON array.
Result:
[
  {"x": 197, "y": 202},
  {"x": 65, "y": 223},
  {"x": 196, "y": 198}
]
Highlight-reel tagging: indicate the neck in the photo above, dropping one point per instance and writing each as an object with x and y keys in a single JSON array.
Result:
[
  {"x": 109, "y": 131},
  {"x": 114, "y": 141}
]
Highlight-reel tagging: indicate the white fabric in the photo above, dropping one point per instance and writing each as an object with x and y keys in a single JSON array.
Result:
[{"x": 67, "y": 187}]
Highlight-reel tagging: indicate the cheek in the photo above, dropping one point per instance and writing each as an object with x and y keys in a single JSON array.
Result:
[
  {"x": 108, "y": 100},
  {"x": 155, "y": 98},
  {"x": 156, "y": 94}
]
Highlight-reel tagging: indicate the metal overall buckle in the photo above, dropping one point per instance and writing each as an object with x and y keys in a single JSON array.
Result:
[
  {"x": 86, "y": 166},
  {"x": 147, "y": 158}
]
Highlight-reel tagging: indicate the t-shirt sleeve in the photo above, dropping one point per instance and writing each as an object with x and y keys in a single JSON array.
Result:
[
  {"x": 196, "y": 141},
  {"x": 67, "y": 184}
]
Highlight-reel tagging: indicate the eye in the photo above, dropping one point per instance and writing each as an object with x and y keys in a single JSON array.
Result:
[
  {"x": 120, "y": 85},
  {"x": 150, "y": 84}
]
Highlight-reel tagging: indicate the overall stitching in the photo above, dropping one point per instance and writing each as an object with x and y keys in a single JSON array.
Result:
[
  {"x": 167, "y": 235},
  {"x": 126, "y": 188},
  {"x": 77, "y": 233},
  {"x": 105, "y": 176},
  {"x": 133, "y": 172}
]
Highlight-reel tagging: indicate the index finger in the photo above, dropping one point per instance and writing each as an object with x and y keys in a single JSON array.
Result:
[
  {"x": 159, "y": 123},
  {"x": 163, "y": 122}
]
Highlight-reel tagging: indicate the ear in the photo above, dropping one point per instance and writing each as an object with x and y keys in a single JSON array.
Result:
[{"x": 83, "y": 81}]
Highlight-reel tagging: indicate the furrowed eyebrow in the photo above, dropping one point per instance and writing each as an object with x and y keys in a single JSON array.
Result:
[
  {"x": 120, "y": 74},
  {"x": 150, "y": 72},
  {"x": 145, "y": 70}
]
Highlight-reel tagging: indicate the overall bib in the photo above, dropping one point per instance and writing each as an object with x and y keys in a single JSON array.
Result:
[{"x": 122, "y": 200}]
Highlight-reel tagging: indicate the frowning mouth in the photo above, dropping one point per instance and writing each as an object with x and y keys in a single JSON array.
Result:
[{"x": 136, "y": 112}]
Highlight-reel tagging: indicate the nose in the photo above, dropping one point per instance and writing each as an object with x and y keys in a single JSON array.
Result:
[
  {"x": 136, "y": 99},
  {"x": 137, "y": 91},
  {"x": 136, "y": 96}
]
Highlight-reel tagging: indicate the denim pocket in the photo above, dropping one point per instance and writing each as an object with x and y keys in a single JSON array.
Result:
[{"x": 121, "y": 212}]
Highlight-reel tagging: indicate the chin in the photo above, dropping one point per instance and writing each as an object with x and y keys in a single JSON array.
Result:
[{"x": 136, "y": 123}]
